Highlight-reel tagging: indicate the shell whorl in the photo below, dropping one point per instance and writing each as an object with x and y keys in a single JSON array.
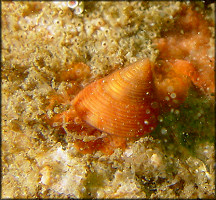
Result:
[{"x": 121, "y": 103}]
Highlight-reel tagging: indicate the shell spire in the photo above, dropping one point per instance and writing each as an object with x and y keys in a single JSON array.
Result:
[{"x": 121, "y": 103}]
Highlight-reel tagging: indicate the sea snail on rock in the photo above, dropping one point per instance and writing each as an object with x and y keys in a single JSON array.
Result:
[{"x": 126, "y": 104}]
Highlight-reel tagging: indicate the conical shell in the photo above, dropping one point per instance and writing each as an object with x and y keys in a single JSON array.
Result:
[{"x": 121, "y": 103}]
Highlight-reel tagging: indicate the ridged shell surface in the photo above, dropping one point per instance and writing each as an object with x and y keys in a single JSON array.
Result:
[{"x": 122, "y": 103}]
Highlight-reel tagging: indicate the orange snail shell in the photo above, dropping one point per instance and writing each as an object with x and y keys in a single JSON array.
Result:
[{"x": 121, "y": 103}]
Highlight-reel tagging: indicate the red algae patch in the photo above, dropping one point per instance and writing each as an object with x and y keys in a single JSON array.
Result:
[
  {"x": 189, "y": 40},
  {"x": 172, "y": 81}
]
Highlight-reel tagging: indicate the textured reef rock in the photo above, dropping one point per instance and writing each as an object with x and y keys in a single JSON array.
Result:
[{"x": 42, "y": 40}]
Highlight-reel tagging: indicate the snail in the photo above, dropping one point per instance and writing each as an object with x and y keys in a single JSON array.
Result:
[
  {"x": 126, "y": 104},
  {"x": 122, "y": 103}
]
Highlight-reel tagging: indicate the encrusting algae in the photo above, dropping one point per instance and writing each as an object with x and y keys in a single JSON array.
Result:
[
  {"x": 192, "y": 44},
  {"x": 107, "y": 100}
]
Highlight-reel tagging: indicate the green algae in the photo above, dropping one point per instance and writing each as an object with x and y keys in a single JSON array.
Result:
[
  {"x": 184, "y": 128},
  {"x": 93, "y": 181}
]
